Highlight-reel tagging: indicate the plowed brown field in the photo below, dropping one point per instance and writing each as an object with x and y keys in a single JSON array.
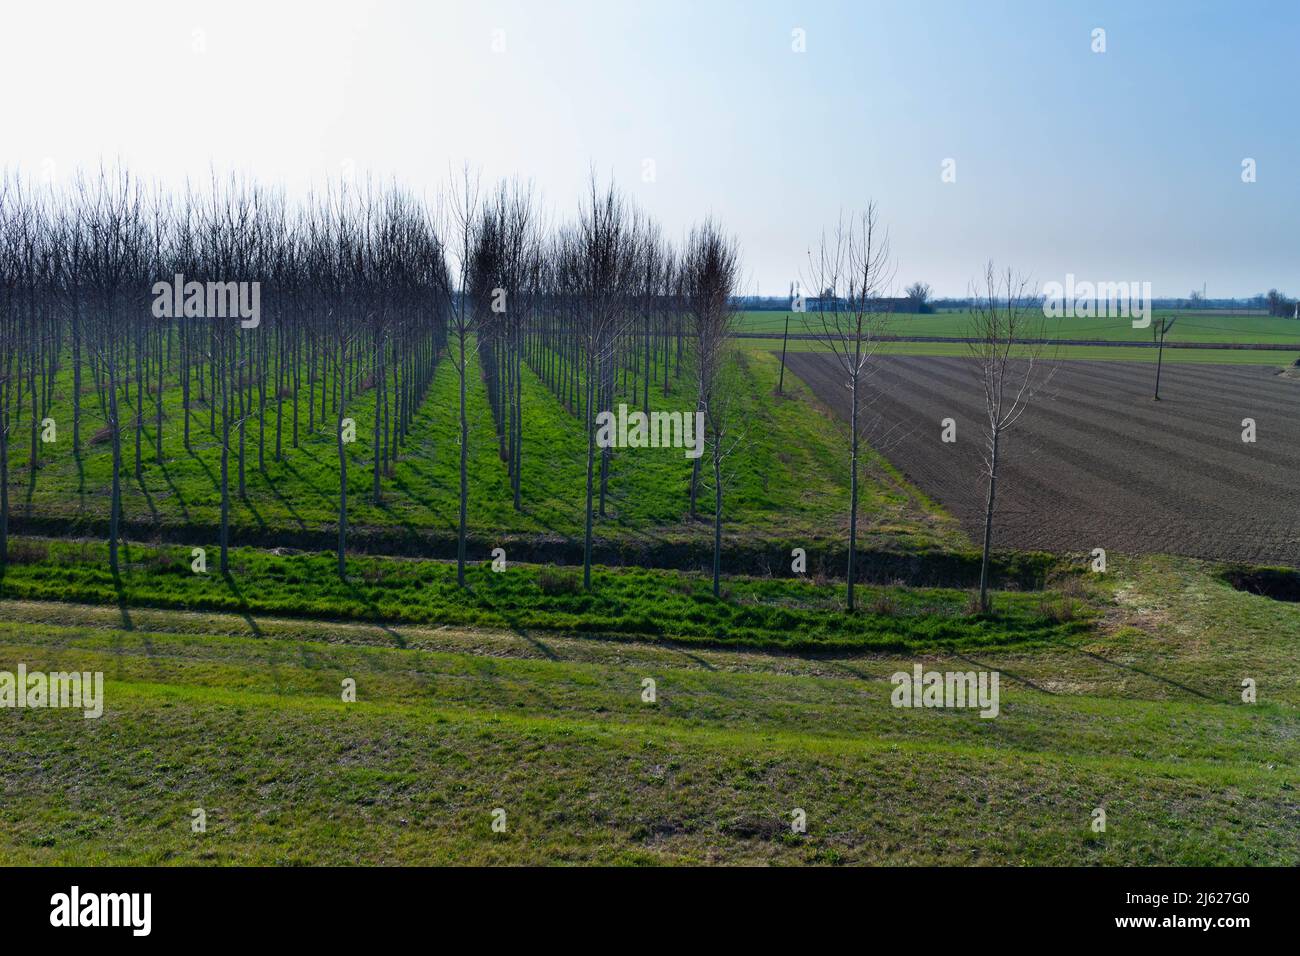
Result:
[{"x": 1095, "y": 462}]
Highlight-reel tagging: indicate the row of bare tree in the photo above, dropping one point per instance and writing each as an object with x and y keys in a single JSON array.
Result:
[
  {"x": 366, "y": 289},
  {"x": 360, "y": 289},
  {"x": 598, "y": 308},
  {"x": 347, "y": 301}
]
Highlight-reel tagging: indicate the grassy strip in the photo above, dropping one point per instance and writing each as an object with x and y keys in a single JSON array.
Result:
[{"x": 755, "y": 612}]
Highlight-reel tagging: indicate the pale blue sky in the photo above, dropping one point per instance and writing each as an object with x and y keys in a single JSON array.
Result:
[{"x": 1113, "y": 166}]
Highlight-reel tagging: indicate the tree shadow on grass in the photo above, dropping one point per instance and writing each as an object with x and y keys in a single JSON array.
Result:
[
  {"x": 81, "y": 479},
  {"x": 699, "y": 661},
  {"x": 252, "y": 510},
  {"x": 244, "y": 610},
  {"x": 285, "y": 503},
  {"x": 207, "y": 469},
  {"x": 398, "y": 637},
  {"x": 122, "y": 607},
  {"x": 436, "y": 520},
  {"x": 305, "y": 483},
  {"x": 856, "y": 672},
  {"x": 541, "y": 646},
  {"x": 1148, "y": 674},
  {"x": 1020, "y": 678},
  {"x": 176, "y": 492}
]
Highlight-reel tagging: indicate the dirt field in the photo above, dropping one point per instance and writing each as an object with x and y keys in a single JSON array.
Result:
[{"x": 1095, "y": 462}]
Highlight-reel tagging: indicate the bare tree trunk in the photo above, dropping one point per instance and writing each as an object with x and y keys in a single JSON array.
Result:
[
  {"x": 785, "y": 339},
  {"x": 158, "y": 408},
  {"x": 245, "y": 407},
  {"x": 115, "y": 507},
  {"x": 379, "y": 377},
  {"x": 853, "y": 494},
  {"x": 517, "y": 456},
  {"x": 36, "y": 416},
  {"x": 225, "y": 468},
  {"x": 1165, "y": 326},
  {"x": 988, "y": 522},
  {"x": 76, "y": 382},
  {"x": 695, "y": 475},
  {"x": 591, "y": 475},
  {"x": 4, "y": 486},
  {"x": 464, "y": 470},
  {"x": 279, "y": 392},
  {"x": 185, "y": 384},
  {"x": 343, "y": 497},
  {"x": 139, "y": 402},
  {"x": 343, "y": 468},
  {"x": 717, "y": 514},
  {"x": 608, "y": 378}
]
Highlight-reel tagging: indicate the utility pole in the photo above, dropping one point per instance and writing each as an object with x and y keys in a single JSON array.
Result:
[
  {"x": 785, "y": 339},
  {"x": 780, "y": 385},
  {"x": 1165, "y": 325}
]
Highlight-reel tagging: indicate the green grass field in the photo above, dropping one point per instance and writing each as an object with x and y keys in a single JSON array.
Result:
[
  {"x": 1187, "y": 327},
  {"x": 786, "y": 478},
  {"x": 241, "y": 715},
  {"x": 1240, "y": 329}
]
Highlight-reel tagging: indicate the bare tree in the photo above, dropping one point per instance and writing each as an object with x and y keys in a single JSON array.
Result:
[
  {"x": 710, "y": 270},
  {"x": 114, "y": 275},
  {"x": 605, "y": 264},
  {"x": 462, "y": 214},
  {"x": 919, "y": 294},
  {"x": 1007, "y": 341},
  {"x": 854, "y": 268},
  {"x": 519, "y": 267}
]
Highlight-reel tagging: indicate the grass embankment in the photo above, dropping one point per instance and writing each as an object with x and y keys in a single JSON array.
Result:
[
  {"x": 787, "y": 476},
  {"x": 241, "y": 715},
  {"x": 755, "y": 612}
]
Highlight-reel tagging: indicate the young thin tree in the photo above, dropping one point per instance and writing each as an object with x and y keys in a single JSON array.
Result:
[
  {"x": 710, "y": 271},
  {"x": 1008, "y": 330},
  {"x": 462, "y": 221},
  {"x": 854, "y": 269},
  {"x": 115, "y": 277},
  {"x": 604, "y": 264}
]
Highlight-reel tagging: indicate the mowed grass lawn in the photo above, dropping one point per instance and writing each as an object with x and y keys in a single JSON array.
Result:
[{"x": 241, "y": 715}]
